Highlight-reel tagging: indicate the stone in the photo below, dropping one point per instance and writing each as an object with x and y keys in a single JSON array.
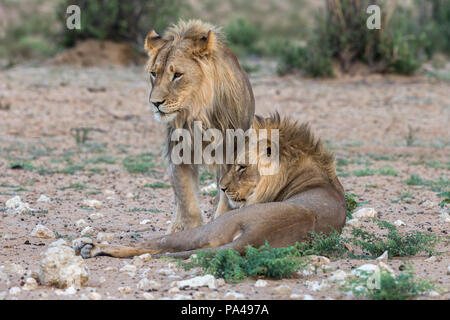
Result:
[
  {"x": 58, "y": 243},
  {"x": 105, "y": 236},
  {"x": 129, "y": 269},
  {"x": 316, "y": 285},
  {"x": 13, "y": 268},
  {"x": 448, "y": 270},
  {"x": 338, "y": 275},
  {"x": 384, "y": 257},
  {"x": 364, "y": 269},
  {"x": 318, "y": 261},
  {"x": 14, "y": 290},
  {"x": 140, "y": 261},
  {"x": 308, "y": 297},
  {"x": 129, "y": 195},
  {"x": 15, "y": 205},
  {"x": 96, "y": 204},
  {"x": 199, "y": 295},
  {"x": 2, "y": 295},
  {"x": 96, "y": 216},
  {"x": 399, "y": 223},
  {"x": 60, "y": 267},
  {"x": 427, "y": 204},
  {"x": 30, "y": 284},
  {"x": 196, "y": 282},
  {"x": 81, "y": 223},
  {"x": 181, "y": 297},
  {"x": 355, "y": 223},
  {"x": 124, "y": 290},
  {"x": 94, "y": 296},
  {"x": 148, "y": 285},
  {"x": 232, "y": 295},
  {"x": 145, "y": 221},
  {"x": 433, "y": 294},
  {"x": 148, "y": 296},
  {"x": 109, "y": 192},
  {"x": 260, "y": 283},
  {"x": 43, "y": 232},
  {"x": 296, "y": 296},
  {"x": 365, "y": 213},
  {"x": 282, "y": 290},
  {"x": 445, "y": 216},
  {"x": 88, "y": 231},
  {"x": 43, "y": 198},
  {"x": 174, "y": 290},
  {"x": 431, "y": 259}
]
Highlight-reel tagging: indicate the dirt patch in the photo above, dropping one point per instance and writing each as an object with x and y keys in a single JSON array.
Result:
[
  {"x": 94, "y": 53},
  {"x": 382, "y": 129}
]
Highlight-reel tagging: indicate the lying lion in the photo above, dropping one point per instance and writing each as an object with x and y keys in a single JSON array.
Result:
[{"x": 305, "y": 195}]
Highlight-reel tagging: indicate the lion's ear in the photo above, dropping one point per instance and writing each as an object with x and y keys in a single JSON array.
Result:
[
  {"x": 204, "y": 45},
  {"x": 153, "y": 42}
]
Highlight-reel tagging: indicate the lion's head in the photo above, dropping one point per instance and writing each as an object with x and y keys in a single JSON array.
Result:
[
  {"x": 190, "y": 67},
  {"x": 304, "y": 162}
]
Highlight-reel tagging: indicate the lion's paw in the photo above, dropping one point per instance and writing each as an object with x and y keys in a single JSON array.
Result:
[{"x": 86, "y": 250}]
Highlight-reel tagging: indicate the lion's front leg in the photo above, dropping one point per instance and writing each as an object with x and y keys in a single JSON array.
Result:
[
  {"x": 185, "y": 185},
  {"x": 223, "y": 205}
]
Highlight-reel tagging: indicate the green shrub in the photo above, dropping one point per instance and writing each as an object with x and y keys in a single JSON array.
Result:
[
  {"x": 390, "y": 287},
  {"x": 117, "y": 20},
  {"x": 350, "y": 203},
  {"x": 242, "y": 36},
  {"x": 265, "y": 261},
  {"x": 397, "y": 245}
]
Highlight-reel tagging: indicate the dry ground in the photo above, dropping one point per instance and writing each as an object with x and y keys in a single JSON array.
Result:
[{"x": 397, "y": 127}]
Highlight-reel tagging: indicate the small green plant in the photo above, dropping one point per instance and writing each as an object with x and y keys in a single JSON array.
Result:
[
  {"x": 158, "y": 185},
  {"x": 388, "y": 171},
  {"x": 320, "y": 244},
  {"x": 364, "y": 172},
  {"x": 388, "y": 286},
  {"x": 350, "y": 203},
  {"x": 142, "y": 163},
  {"x": 22, "y": 165},
  {"x": 242, "y": 36},
  {"x": 276, "y": 263},
  {"x": 397, "y": 245}
]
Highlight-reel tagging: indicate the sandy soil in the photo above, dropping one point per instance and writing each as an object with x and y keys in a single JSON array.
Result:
[{"x": 400, "y": 124}]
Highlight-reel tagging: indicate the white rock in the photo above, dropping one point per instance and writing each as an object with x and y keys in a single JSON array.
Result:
[
  {"x": 43, "y": 198},
  {"x": 431, "y": 259},
  {"x": 316, "y": 285},
  {"x": 88, "y": 231},
  {"x": 105, "y": 236},
  {"x": 43, "y": 232},
  {"x": 148, "y": 285},
  {"x": 433, "y": 294},
  {"x": 70, "y": 291},
  {"x": 145, "y": 221},
  {"x": 30, "y": 284},
  {"x": 129, "y": 269},
  {"x": 445, "y": 216},
  {"x": 165, "y": 272},
  {"x": 355, "y": 223},
  {"x": 365, "y": 213},
  {"x": 140, "y": 261},
  {"x": 338, "y": 275},
  {"x": 15, "y": 205},
  {"x": 58, "y": 243},
  {"x": 92, "y": 204},
  {"x": 282, "y": 290},
  {"x": 148, "y": 296},
  {"x": 448, "y": 270},
  {"x": 81, "y": 223},
  {"x": 399, "y": 223},
  {"x": 296, "y": 296},
  {"x": 60, "y": 267},
  {"x": 384, "y": 257},
  {"x": 129, "y": 195},
  {"x": 13, "y": 268},
  {"x": 232, "y": 295},
  {"x": 318, "y": 261},
  {"x": 196, "y": 282},
  {"x": 210, "y": 187},
  {"x": 81, "y": 240},
  {"x": 174, "y": 290},
  {"x": 124, "y": 290},
  {"x": 181, "y": 297},
  {"x": 365, "y": 268},
  {"x": 199, "y": 295},
  {"x": 96, "y": 216},
  {"x": 2, "y": 295},
  {"x": 14, "y": 290},
  {"x": 94, "y": 296},
  {"x": 109, "y": 192},
  {"x": 308, "y": 297},
  {"x": 427, "y": 204},
  {"x": 260, "y": 283}
]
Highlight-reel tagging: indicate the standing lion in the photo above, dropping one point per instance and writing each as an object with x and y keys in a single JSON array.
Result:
[{"x": 195, "y": 77}]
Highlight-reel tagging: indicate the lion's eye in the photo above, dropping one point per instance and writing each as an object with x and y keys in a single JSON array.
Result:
[
  {"x": 241, "y": 168},
  {"x": 177, "y": 75},
  {"x": 153, "y": 74}
]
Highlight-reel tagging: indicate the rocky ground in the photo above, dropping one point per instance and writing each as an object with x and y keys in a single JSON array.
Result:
[{"x": 76, "y": 134}]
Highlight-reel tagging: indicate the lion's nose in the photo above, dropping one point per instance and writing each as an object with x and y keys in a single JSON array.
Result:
[
  {"x": 223, "y": 188},
  {"x": 158, "y": 103}
]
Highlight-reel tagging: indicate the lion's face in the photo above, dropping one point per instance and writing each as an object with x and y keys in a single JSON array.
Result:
[
  {"x": 179, "y": 82},
  {"x": 239, "y": 183}
]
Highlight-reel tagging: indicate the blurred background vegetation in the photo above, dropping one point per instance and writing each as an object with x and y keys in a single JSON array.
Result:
[{"x": 318, "y": 38}]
